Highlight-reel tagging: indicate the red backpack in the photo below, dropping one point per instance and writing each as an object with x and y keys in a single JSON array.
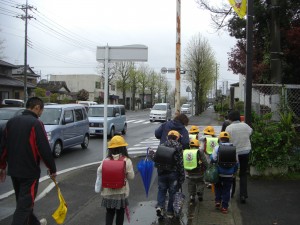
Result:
[{"x": 114, "y": 173}]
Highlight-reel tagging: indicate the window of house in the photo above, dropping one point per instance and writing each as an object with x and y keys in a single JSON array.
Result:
[
  {"x": 112, "y": 87},
  {"x": 97, "y": 85},
  {"x": 17, "y": 95}
]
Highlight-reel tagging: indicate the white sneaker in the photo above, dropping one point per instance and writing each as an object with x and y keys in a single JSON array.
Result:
[{"x": 43, "y": 221}]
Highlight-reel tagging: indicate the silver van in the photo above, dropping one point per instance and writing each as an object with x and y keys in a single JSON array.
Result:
[
  {"x": 66, "y": 125},
  {"x": 116, "y": 119},
  {"x": 160, "y": 112}
]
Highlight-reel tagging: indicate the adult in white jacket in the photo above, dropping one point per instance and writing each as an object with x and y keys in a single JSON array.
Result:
[{"x": 240, "y": 133}]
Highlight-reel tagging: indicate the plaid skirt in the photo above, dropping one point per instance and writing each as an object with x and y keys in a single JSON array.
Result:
[{"x": 114, "y": 201}]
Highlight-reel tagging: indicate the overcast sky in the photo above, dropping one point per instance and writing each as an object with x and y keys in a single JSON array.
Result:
[{"x": 64, "y": 34}]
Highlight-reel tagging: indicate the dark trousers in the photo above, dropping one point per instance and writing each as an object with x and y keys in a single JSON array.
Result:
[
  {"x": 25, "y": 192},
  {"x": 110, "y": 214},
  {"x": 243, "y": 160},
  {"x": 222, "y": 190}
]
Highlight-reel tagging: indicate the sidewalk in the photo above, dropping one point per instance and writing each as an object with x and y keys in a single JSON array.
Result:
[{"x": 274, "y": 202}]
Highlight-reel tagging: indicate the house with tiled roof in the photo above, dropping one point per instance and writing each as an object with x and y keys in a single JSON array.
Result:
[
  {"x": 56, "y": 87},
  {"x": 11, "y": 86}
]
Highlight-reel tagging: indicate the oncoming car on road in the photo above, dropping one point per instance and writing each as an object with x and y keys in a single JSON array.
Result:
[
  {"x": 66, "y": 125},
  {"x": 116, "y": 119},
  {"x": 185, "y": 109}
]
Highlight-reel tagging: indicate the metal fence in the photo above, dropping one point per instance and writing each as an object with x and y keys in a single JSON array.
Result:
[{"x": 276, "y": 98}]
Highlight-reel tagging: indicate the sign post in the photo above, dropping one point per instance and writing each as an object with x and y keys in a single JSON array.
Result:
[{"x": 108, "y": 54}]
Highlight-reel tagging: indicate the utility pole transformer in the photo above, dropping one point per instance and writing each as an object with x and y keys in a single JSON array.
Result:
[{"x": 178, "y": 46}]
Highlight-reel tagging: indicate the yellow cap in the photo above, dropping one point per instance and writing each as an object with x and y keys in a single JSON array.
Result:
[
  {"x": 224, "y": 135},
  {"x": 117, "y": 141},
  {"x": 175, "y": 133},
  {"x": 194, "y": 129},
  {"x": 194, "y": 142},
  {"x": 209, "y": 130}
]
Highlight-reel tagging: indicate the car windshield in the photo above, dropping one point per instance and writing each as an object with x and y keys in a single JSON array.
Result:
[
  {"x": 99, "y": 112},
  {"x": 51, "y": 116},
  {"x": 6, "y": 114},
  {"x": 185, "y": 106},
  {"x": 160, "y": 107}
]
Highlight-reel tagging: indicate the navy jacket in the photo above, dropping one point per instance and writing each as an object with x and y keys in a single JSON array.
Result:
[{"x": 162, "y": 132}]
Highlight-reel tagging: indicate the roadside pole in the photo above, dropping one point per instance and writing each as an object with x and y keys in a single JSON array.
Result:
[{"x": 108, "y": 54}]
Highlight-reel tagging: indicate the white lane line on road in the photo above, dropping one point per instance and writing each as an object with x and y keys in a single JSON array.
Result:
[
  {"x": 129, "y": 121},
  {"x": 45, "y": 191},
  {"x": 139, "y": 121}
]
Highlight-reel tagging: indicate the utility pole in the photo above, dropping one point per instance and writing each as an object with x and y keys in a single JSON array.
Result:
[
  {"x": 25, "y": 18},
  {"x": 178, "y": 46},
  {"x": 249, "y": 61},
  {"x": 216, "y": 80}
]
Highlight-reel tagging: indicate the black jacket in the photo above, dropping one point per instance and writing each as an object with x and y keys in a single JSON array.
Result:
[{"x": 24, "y": 144}]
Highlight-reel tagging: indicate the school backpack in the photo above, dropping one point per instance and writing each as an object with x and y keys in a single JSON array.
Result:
[
  {"x": 114, "y": 173},
  {"x": 226, "y": 156},
  {"x": 165, "y": 158}
]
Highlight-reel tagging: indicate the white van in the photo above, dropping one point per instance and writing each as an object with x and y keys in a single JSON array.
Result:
[{"x": 161, "y": 112}]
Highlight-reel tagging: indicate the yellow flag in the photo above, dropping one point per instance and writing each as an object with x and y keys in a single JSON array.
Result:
[{"x": 239, "y": 6}]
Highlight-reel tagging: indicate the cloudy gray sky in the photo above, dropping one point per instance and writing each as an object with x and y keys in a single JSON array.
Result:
[{"x": 63, "y": 34}]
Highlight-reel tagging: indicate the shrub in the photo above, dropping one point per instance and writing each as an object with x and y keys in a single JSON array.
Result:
[{"x": 273, "y": 142}]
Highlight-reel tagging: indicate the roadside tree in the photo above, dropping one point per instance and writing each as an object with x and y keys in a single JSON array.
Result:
[{"x": 201, "y": 64}]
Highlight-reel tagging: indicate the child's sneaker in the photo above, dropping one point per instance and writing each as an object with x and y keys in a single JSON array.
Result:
[
  {"x": 192, "y": 198},
  {"x": 217, "y": 205},
  {"x": 200, "y": 196},
  {"x": 170, "y": 215},
  {"x": 43, "y": 221},
  {"x": 159, "y": 212},
  {"x": 224, "y": 210}
]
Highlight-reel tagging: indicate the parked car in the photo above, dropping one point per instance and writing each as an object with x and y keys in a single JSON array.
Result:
[
  {"x": 116, "y": 119},
  {"x": 13, "y": 102},
  {"x": 7, "y": 113},
  {"x": 185, "y": 109},
  {"x": 161, "y": 112},
  {"x": 66, "y": 125}
]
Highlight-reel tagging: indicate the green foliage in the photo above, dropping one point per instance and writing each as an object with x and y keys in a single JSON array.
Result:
[
  {"x": 83, "y": 95},
  {"x": 54, "y": 97},
  {"x": 40, "y": 92},
  {"x": 273, "y": 143},
  {"x": 239, "y": 106}
]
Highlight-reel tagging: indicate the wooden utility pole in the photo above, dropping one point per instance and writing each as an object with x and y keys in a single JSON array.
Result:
[{"x": 178, "y": 46}]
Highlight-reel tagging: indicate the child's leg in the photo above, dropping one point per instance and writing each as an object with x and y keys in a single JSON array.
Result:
[
  {"x": 191, "y": 186},
  {"x": 120, "y": 216},
  {"x": 162, "y": 191},
  {"x": 200, "y": 187},
  {"x": 227, "y": 182},
  {"x": 218, "y": 191},
  {"x": 110, "y": 214}
]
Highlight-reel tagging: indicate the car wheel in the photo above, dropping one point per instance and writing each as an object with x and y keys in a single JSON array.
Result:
[
  {"x": 112, "y": 132},
  {"x": 57, "y": 149},
  {"x": 85, "y": 142},
  {"x": 124, "y": 131}
]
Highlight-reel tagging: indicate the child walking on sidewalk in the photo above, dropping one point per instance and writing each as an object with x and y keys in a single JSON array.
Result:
[
  {"x": 115, "y": 199},
  {"x": 195, "y": 164},
  {"x": 225, "y": 157}
]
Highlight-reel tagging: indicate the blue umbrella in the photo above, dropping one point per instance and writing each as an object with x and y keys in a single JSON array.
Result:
[{"x": 145, "y": 166}]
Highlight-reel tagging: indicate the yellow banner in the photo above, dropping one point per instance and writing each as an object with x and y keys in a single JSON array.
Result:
[{"x": 239, "y": 6}]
